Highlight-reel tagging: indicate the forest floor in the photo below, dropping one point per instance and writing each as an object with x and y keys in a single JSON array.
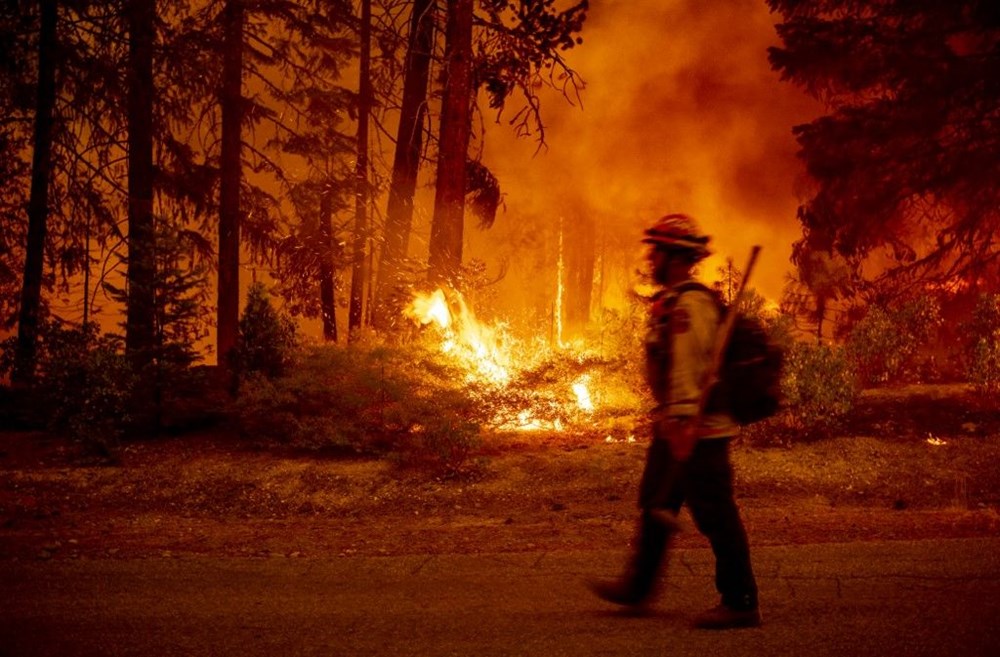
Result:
[{"x": 913, "y": 462}]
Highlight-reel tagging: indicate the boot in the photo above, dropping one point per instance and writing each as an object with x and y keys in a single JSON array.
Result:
[
  {"x": 666, "y": 518},
  {"x": 724, "y": 617},
  {"x": 619, "y": 591},
  {"x": 638, "y": 585}
]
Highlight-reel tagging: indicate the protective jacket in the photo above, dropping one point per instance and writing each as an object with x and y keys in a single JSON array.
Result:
[{"x": 682, "y": 328}]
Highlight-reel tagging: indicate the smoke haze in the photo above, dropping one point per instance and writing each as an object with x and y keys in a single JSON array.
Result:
[{"x": 681, "y": 113}]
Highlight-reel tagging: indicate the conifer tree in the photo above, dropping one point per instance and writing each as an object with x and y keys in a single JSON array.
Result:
[{"x": 906, "y": 160}]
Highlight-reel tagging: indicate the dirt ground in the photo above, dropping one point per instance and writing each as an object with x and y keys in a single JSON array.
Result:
[{"x": 208, "y": 495}]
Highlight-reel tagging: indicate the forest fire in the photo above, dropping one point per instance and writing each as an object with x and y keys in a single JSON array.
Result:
[
  {"x": 485, "y": 353},
  {"x": 582, "y": 392},
  {"x": 478, "y": 347}
]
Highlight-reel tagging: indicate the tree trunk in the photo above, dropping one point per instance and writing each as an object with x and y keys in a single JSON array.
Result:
[
  {"x": 449, "y": 201},
  {"x": 38, "y": 203},
  {"x": 579, "y": 248},
  {"x": 228, "y": 316},
  {"x": 360, "y": 263},
  {"x": 328, "y": 309},
  {"x": 140, "y": 321},
  {"x": 820, "y": 317},
  {"x": 406, "y": 163}
]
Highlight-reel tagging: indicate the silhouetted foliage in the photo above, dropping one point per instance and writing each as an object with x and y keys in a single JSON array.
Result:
[
  {"x": 408, "y": 403},
  {"x": 906, "y": 160},
  {"x": 82, "y": 387},
  {"x": 982, "y": 347},
  {"x": 266, "y": 339}
]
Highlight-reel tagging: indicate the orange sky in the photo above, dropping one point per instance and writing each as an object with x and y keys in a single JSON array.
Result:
[{"x": 681, "y": 113}]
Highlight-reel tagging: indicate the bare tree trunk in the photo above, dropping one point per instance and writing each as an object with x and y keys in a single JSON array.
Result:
[
  {"x": 360, "y": 263},
  {"x": 328, "y": 308},
  {"x": 820, "y": 317},
  {"x": 449, "y": 201},
  {"x": 38, "y": 203},
  {"x": 406, "y": 163},
  {"x": 579, "y": 246},
  {"x": 228, "y": 314},
  {"x": 140, "y": 321}
]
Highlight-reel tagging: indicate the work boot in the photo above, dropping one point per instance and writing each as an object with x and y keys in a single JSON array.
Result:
[
  {"x": 619, "y": 592},
  {"x": 665, "y": 518},
  {"x": 724, "y": 617}
]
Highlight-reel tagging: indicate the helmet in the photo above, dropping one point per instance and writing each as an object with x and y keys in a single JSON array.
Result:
[{"x": 677, "y": 232}]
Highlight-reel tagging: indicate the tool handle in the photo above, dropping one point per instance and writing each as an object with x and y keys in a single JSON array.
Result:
[{"x": 724, "y": 335}]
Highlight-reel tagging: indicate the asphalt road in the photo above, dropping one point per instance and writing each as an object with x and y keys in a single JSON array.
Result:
[{"x": 895, "y": 598}]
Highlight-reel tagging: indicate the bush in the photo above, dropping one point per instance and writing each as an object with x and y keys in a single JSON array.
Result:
[
  {"x": 819, "y": 390},
  {"x": 375, "y": 400},
  {"x": 551, "y": 396},
  {"x": 885, "y": 344},
  {"x": 266, "y": 339},
  {"x": 780, "y": 329},
  {"x": 982, "y": 349},
  {"x": 83, "y": 386}
]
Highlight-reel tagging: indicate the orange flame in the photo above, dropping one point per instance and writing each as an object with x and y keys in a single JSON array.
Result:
[
  {"x": 485, "y": 351},
  {"x": 478, "y": 346},
  {"x": 582, "y": 392}
]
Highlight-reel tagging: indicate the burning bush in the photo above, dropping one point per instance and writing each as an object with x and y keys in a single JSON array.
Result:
[{"x": 531, "y": 384}]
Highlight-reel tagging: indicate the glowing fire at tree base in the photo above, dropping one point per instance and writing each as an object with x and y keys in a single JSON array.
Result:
[{"x": 487, "y": 356}]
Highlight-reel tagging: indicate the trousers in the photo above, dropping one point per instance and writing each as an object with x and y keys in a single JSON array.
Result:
[{"x": 705, "y": 483}]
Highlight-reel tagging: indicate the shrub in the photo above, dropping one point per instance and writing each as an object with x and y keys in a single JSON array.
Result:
[
  {"x": 982, "y": 348},
  {"x": 819, "y": 390},
  {"x": 551, "y": 395},
  {"x": 885, "y": 344},
  {"x": 376, "y": 400},
  {"x": 266, "y": 339},
  {"x": 181, "y": 318},
  {"x": 780, "y": 329},
  {"x": 83, "y": 386}
]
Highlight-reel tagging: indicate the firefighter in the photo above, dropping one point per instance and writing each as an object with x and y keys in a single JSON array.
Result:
[{"x": 688, "y": 457}]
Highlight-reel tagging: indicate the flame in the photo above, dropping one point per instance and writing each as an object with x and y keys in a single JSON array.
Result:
[
  {"x": 485, "y": 353},
  {"x": 526, "y": 421},
  {"x": 558, "y": 311},
  {"x": 431, "y": 308},
  {"x": 477, "y": 346},
  {"x": 582, "y": 393}
]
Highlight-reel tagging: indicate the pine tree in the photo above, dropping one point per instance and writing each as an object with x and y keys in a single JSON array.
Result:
[{"x": 906, "y": 160}]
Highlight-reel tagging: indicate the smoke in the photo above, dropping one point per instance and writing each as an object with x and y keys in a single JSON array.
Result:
[{"x": 681, "y": 113}]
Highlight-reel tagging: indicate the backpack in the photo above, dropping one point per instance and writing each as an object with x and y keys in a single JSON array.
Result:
[
  {"x": 751, "y": 373},
  {"x": 749, "y": 379}
]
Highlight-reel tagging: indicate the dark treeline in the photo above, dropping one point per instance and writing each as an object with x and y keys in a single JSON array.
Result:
[
  {"x": 157, "y": 146},
  {"x": 902, "y": 169},
  {"x": 159, "y": 149}
]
